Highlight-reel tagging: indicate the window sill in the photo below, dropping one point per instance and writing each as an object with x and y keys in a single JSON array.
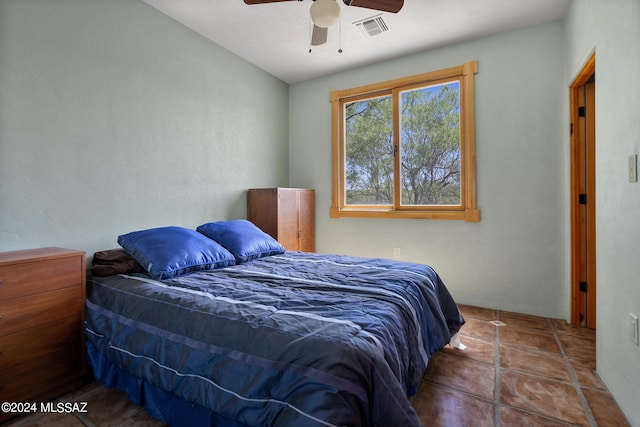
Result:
[{"x": 468, "y": 215}]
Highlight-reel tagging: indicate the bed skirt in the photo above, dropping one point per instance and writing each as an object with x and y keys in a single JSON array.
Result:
[{"x": 158, "y": 403}]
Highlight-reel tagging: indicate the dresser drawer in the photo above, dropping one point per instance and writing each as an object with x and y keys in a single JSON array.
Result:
[
  {"x": 42, "y": 297},
  {"x": 38, "y": 377},
  {"x": 24, "y": 313},
  {"x": 31, "y": 278},
  {"x": 33, "y": 343}
]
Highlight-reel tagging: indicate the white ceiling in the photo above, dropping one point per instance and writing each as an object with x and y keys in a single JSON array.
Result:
[{"x": 276, "y": 36}]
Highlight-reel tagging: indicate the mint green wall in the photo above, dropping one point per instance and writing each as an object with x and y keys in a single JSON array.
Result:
[
  {"x": 113, "y": 117},
  {"x": 516, "y": 257},
  {"x": 612, "y": 31}
]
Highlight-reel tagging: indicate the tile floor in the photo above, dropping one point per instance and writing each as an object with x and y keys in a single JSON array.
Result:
[
  {"x": 530, "y": 371},
  {"x": 527, "y": 371}
]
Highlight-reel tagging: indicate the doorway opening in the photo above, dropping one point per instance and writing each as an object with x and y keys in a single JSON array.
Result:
[{"x": 582, "y": 94}]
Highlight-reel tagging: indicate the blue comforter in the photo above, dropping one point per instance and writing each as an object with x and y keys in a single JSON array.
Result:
[{"x": 295, "y": 339}]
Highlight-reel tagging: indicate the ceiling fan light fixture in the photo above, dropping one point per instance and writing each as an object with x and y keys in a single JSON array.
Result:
[{"x": 325, "y": 13}]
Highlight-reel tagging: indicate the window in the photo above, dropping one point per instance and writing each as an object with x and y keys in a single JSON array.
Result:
[{"x": 405, "y": 148}]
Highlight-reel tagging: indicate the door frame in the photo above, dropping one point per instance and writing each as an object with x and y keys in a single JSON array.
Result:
[{"x": 577, "y": 221}]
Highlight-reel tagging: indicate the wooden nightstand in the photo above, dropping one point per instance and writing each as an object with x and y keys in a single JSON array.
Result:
[{"x": 42, "y": 298}]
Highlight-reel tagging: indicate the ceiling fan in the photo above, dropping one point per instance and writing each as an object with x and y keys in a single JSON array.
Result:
[{"x": 325, "y": 13}]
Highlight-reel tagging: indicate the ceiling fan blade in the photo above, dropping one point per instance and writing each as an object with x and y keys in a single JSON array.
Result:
[
  {"x": 319, "y": 35},
  {"x": 264, "y": 1},
  {"x": 392, "y": 6}
]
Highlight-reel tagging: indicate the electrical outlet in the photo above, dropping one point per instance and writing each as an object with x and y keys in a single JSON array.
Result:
[
  {"x": 396, "y": 253},
  {"x": 633, "y": 329}
]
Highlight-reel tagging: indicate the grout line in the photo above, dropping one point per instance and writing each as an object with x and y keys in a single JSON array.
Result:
[
  {"x": 574, "y": 377},
  {"x": 458, "y": 391},
  {"x": 84, "y": 421},
  {"x": 79, "y": 397},
  {"x": 63, "y": 399},
  {"x": 551, "y": 419}
]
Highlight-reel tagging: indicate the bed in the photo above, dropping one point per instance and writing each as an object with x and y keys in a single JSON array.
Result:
[{"x": 252, "y": 335}]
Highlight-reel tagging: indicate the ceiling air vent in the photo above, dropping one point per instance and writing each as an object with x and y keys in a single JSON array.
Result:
[{"x": 372, "y": 26}]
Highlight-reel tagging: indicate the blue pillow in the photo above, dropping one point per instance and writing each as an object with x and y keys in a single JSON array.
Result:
[
  {"x": 171, "y": 251},
  {"x": 242, "y": 238}
]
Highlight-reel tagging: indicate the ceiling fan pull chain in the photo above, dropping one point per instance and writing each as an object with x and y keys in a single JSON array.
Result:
[
  {"x": 340, "y": 43},
  {"x": 310, "y": 32}
]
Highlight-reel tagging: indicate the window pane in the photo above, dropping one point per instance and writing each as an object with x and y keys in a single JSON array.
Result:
[
  {"x": 369, "y": 151},
  {"x": 430, "y": 145}
]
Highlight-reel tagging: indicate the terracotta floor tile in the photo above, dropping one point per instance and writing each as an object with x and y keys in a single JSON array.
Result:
[
  {"x": 142, "y": 419},
  {"x": 542, "y": 396},
  {"x": 578, "y": 348},
  {"x": 562, "y": 327},
  {"x": 604, "y": 409},
  {"x": 479, "y": 329},
  {"x": 535, "y": 339},
  {"x": 586, "y": 375},
  {"x": 441, "y": 407},
  {"x": 513, "y": 417},
  {"x": 549, "y": 365},
  {"x": 524, "y": 320},
  {"x": 469, "y": 311},
  {"x": 79, "y": 394},
  {"x": 45, "y": 420},
  {"x": 477, "y": 349},
  {"x": 103, "y": 403},
  {"x": 463, "y": 374}
]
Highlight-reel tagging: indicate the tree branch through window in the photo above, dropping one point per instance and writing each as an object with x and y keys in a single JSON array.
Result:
[{"x": 406, "y": 147}]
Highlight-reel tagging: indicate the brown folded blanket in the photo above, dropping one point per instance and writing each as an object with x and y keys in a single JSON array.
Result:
[{"x": 114, "y": 261}]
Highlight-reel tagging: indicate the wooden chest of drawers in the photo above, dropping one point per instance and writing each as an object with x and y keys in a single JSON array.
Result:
[{"x": 42, "y": 297}]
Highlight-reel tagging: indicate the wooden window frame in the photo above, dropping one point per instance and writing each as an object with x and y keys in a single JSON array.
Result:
[{"x": 467, "y": 209}]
